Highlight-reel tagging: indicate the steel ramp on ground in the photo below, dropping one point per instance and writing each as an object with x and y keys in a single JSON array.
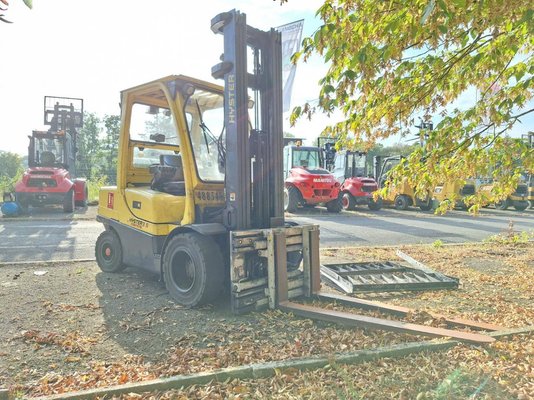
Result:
[{"x": 384, "y": 276}]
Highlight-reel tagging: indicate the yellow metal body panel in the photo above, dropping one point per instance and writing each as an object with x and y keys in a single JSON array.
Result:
[
  {"x": 402, "y": 188},
  {"x": 451, "y": 190}
]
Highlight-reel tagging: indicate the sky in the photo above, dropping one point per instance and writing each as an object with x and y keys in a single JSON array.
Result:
[{"x": 94, "y": 49}]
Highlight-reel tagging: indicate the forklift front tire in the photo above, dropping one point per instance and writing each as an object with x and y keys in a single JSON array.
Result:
[
  {"x": 425, "y": 205},
  {"x": 108, "y": 252},
  {"x": 291, "y": 199},
  {"x": 193, "y": 269},
  {"x": 335, "y": 206},
  {"x": 347, "y": 201},
  {"x": 521, "y": 206},
  {"x": 502, "y": 205},
  {"x": 375, "y": 205},
  {"x": 401, "y": 202}
]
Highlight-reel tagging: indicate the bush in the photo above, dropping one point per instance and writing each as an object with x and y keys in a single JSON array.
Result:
[{"x": 94, "y": 186}]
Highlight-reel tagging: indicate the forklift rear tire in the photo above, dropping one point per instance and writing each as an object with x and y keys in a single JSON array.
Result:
[
  {"x": 502, "y": 205},
  {"x": 335, "y": 205},
  {"x": 83, "y": 203},
  {"x": 375, "y": 205},
  {"x": 401, "y": 202},
  {"x": 68, "y": 202},
  {"x": 291, "y": 199},
  {"x": 347, "y": 201},
  {"x": 193, "y": 269},
  {"x": 108, "y": 252}
]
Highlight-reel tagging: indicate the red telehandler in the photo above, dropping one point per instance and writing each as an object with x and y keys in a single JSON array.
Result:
[{"x": 306, "y": 182}]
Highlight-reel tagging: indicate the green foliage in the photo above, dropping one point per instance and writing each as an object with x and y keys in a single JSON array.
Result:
[
  {"x": 437, "y": 244},
  {"x": 89, "y": 146},
  {"x": 11, "y": 170},
  {"x": 110, "y": 145},
  {"x": 511, "y": 237},
  {"x": 94, "y": 186},
  {"x": 393, "y": 62}
]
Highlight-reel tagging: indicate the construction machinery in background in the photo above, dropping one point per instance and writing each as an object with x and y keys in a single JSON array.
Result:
[
  {"x": 51, "y": 176},
  {"x": 357, "y": 187},
  {"x": 350, "y": 170},
  {"x": 455, "y": 191},
  {"x": 307, "y": 183},
  {"x": 402, "y": 194},
  {"x": 209, "y": 216},
  {"x": 518, "y": 199}
]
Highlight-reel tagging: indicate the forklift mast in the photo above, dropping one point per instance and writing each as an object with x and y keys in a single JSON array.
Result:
[{"x": 253, "y": 161}]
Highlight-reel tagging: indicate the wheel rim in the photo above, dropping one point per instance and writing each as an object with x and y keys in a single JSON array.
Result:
[
  {"x": 183, "y": 273},
  {"x": 286, "y": 199},
  {"x": 107, "y": 252},
  {"x": 345, "y": 201}
]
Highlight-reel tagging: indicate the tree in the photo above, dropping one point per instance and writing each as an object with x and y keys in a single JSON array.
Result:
[
  {"x": 392, "y": 62},
  {"x": 29, "y": 4},
  {"x": 111, "y": 145},
  {"x": 10, "y": 170},
  {"x": 89, "y": 146}
]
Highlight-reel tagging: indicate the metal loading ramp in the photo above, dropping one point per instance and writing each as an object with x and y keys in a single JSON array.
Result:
[{"x": 384, "y": 276}]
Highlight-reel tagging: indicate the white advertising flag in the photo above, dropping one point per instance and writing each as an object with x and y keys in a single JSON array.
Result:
[{"x": 291, "y": 36}]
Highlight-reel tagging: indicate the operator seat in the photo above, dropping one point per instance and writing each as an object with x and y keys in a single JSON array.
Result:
[{"x": 168, "y": 175}]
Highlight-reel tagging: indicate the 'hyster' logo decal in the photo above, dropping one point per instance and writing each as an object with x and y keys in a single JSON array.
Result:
[
  {"x": 137, "y": 223},
  {"x": 322, "y": 180}
]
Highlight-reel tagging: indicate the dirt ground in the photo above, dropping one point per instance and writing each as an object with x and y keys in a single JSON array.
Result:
[{"x": 68, "y": 326}]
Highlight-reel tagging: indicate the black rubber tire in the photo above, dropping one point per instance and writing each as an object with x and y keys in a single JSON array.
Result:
[
  {"x": 292, "y": 200},
  {"x": 425, "y": 205},
  {"x": 401, "y": 202},
  {"x": 347, "y": 201},
  {"x": 193, "y": 269},
  {"x": 83, "y": 203},
  {"x": 521, "y": 207},
  {"x": 375, "y": 205},
  {"x": 335, "y": 206},
  {"x": 502, "y": 205},
  {"x": 68, "y": 201},
  {"x": 108, "y": 252}
]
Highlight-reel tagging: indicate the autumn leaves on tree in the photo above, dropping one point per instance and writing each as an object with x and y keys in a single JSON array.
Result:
[{"x": 465, "y": 65}]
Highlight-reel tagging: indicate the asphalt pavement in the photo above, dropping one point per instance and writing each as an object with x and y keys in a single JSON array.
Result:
[{"x": 50, "y": 234}]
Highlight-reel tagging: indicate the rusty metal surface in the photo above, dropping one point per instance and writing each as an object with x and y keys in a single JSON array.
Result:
[
  {"x": 379, "y": 323},
  {"x": 403, "y": 311},
  {"x": 382, "y": 276}
]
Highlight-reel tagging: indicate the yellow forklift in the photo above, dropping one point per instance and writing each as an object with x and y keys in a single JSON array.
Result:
[
  {"x": 199, "y": 195},
  {"x": 401, "y": 195},
  {"x": 456, "y": 191}
]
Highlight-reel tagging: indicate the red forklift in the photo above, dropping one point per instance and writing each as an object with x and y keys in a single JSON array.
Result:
[
  {"x": 350, "y": 170},
  {"x": 307, "y": 183},
  {"x": 51, "y": 176}
]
